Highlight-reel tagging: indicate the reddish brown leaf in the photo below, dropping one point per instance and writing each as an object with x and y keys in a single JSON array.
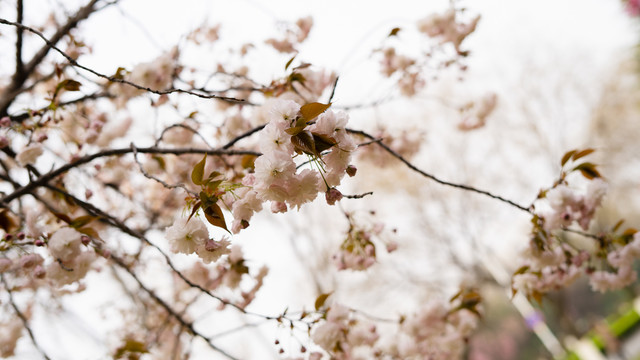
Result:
[{"x": 312, "y": 110}]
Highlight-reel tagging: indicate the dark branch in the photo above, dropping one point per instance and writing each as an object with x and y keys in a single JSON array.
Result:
[
  {"x": 242, "y": 136},
  {"x": 19, "y": 32},
  {"x": 51, "y": 44},
  {"x": 44, "y": 179},
  {"x": 432, "y": 177},
  {"x": 19, "y": 78}
]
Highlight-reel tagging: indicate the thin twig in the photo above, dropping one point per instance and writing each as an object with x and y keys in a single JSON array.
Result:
[
  {"x": 242, "y": 136},
  {"x": 168, "y": 308},
  {"x": 434, "y": 178},
  {"x": 186, "y": 127},
  {"x": 18, "y": 80},
  {"x": 23, "y": 318},
  {"x": 358, "y": 196},
  {"x": 148, "y": 176}
]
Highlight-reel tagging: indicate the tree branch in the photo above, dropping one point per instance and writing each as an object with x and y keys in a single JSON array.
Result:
[
  {"x": 19, "y": 32},
  {"x": 432, "y": 177},
  {"x": 169, "y": 309},
  {"x": 23, "y": 318},
  {"x": 44, "y": 179},
  {"x": 19, "y": 78},
  {"x": 9, "y": 97}
]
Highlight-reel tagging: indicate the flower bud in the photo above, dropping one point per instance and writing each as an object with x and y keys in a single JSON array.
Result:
[{"x": 332, "y": 195}]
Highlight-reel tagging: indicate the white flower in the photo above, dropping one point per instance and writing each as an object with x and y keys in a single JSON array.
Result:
[
  {"x": 185, "y": 236},
  {"x": 247, "y": 205},
  {"x": 65, "y": 244},
  {"x": 274, "y": 167},
  {"x": 69, "y": 272},
  {"x": 304, "y": 188},
  {"x": 274, "y": 138},
  {"x": 29, "y": 155}
]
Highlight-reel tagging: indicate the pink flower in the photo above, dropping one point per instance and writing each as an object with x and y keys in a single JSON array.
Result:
[
  {"x": 29, "y": 154},
  {"x": 212, "y": 250},
  {"x": 65, "y": 244}
]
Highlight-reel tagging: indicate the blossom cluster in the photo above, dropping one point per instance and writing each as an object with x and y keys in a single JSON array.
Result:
[
  {"x": 435, "y": 332},
  {"x": 276, "y": 177},
  {"x": 190, "y": 236},
  {"x": 343, "y": 336},
  {"x": 448, "y": 27},
  {"x": 568, "y": 206}
]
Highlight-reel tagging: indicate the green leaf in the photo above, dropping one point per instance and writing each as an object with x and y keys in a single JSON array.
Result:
[
  {"x": 120, "y": 73},
  {"x": 198, "y": 171},
  {"x": 521, "y": 270},
  {"x": 321, "y": 300},
  {"x": 311, "y": 110},
  {"x": 296, "y": 128},
  {"x": 567, "y": 156}
]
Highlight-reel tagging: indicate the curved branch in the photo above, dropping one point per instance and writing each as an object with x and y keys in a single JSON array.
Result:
[
  {"x": 44, "y": 179},
  {"x": 432, "y": 177}
]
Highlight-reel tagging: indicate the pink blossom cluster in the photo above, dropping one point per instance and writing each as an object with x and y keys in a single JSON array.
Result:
[
  {"x": 448, "y": 28},
  {"x": 475, "y": 114},
  {"x": 156, "y": 75},
  {"x": 549, "y": 270},
  {"x": 71, "y": 262},
  {"x": 358, "y": 252},
  {"x": 343, "y": 336},
  {"x": 410, "y": 80},
  {"x": 621, "y": 272},
  {"x": 276, "y": 177},
  {"x": 293, "y": 36},
  {"x": 434, "y": 332},
  {"x": 568, "y": 206}
]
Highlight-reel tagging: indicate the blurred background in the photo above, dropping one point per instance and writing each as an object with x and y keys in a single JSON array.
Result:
[{"x": 564, "y": 75}]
